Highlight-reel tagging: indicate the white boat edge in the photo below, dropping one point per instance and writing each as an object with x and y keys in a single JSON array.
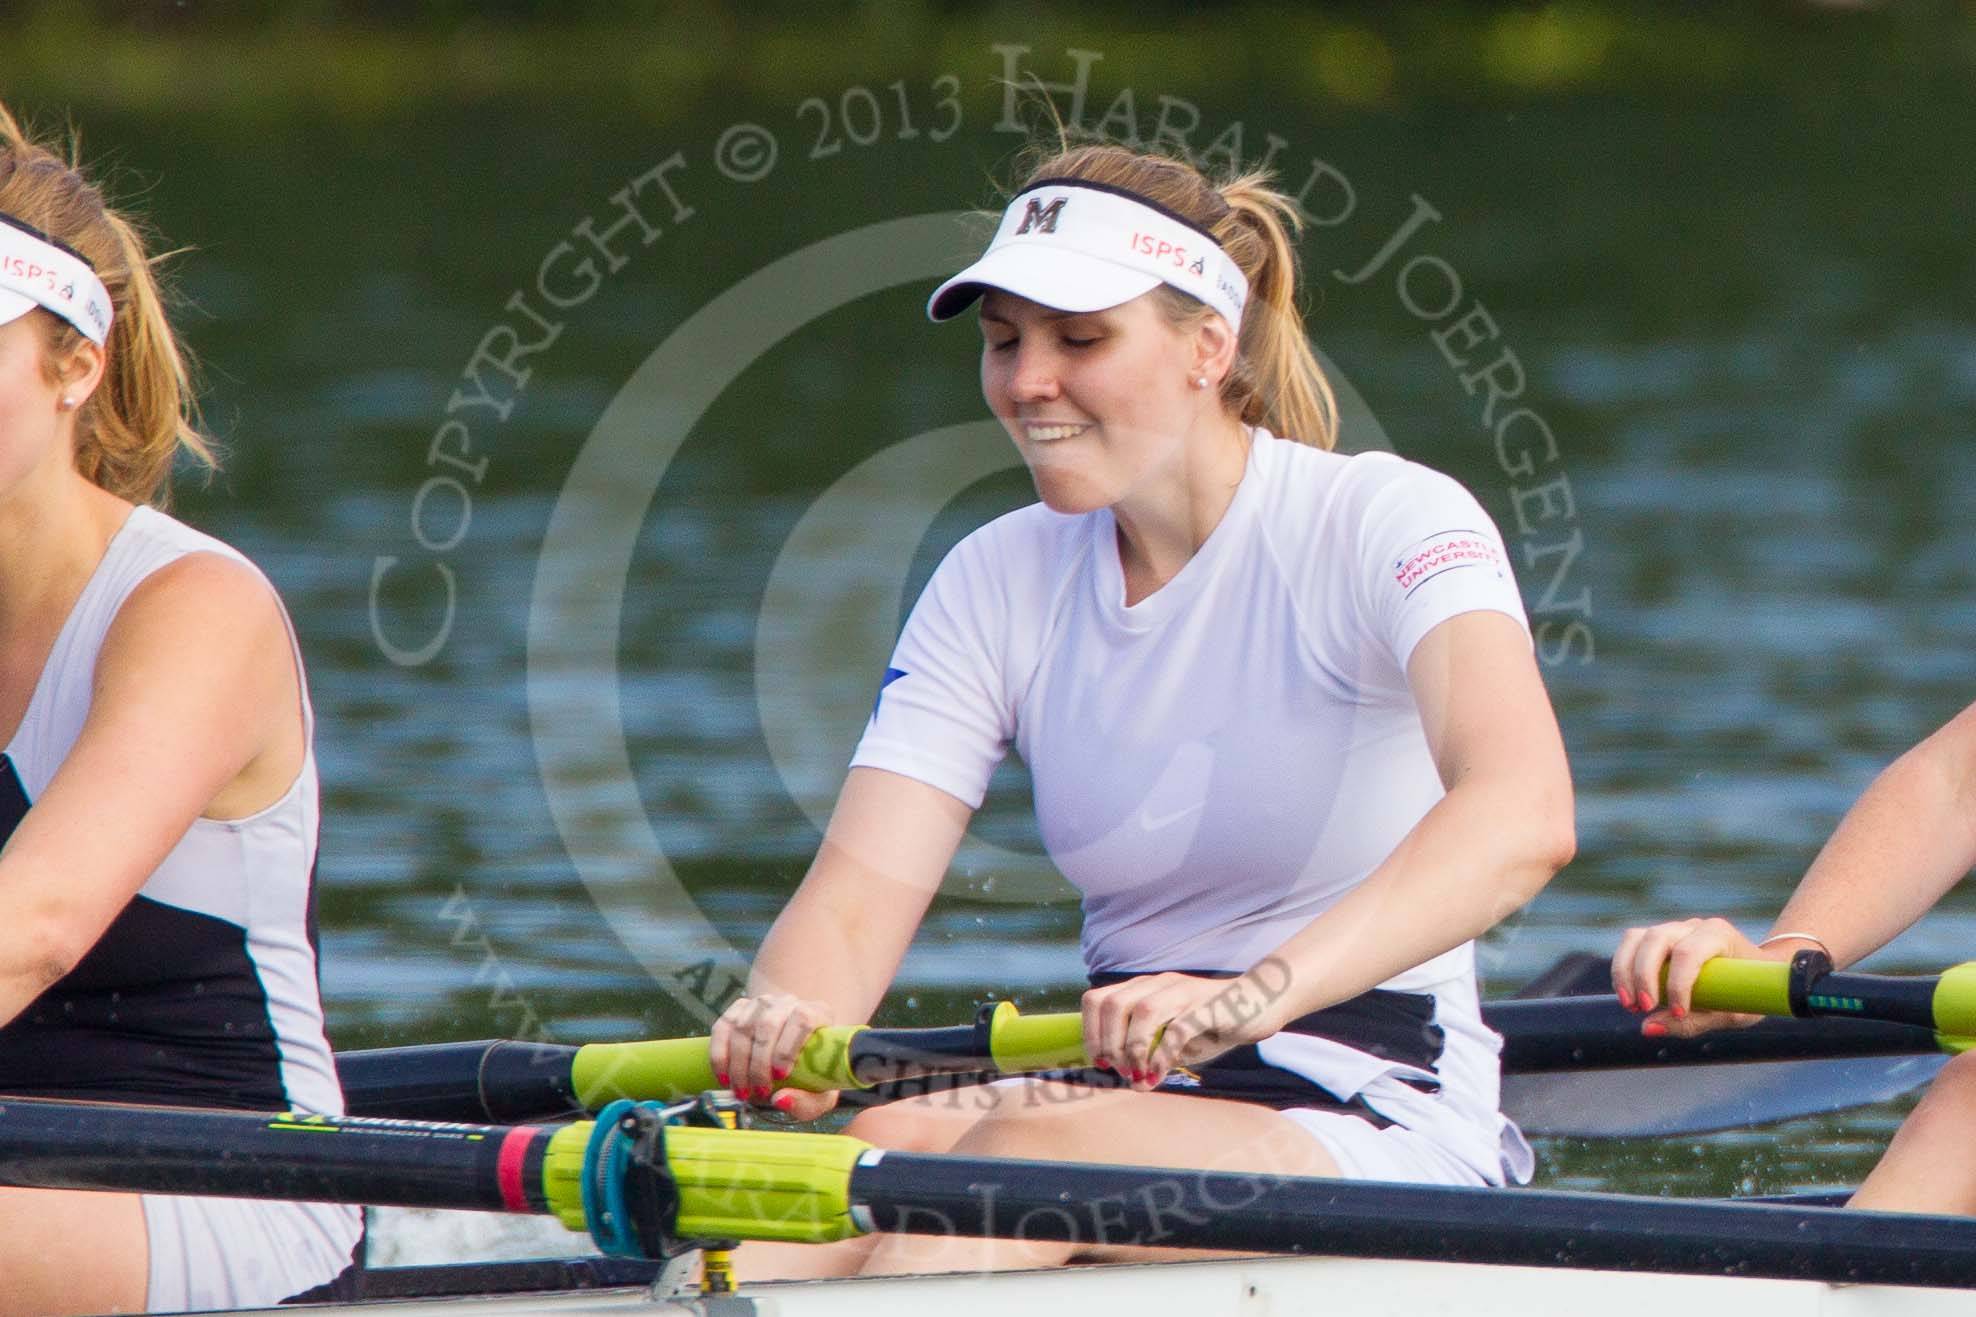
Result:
[{"x": 1252, "y": 1287}]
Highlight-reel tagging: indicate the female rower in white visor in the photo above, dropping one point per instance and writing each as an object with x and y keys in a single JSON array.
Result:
[
  {"x": 1279, "y": 706},
  {"x": 157, "y": 784}
]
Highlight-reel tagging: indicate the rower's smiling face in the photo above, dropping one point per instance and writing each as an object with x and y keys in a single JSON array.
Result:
[{"x": 1094, "y": 402}]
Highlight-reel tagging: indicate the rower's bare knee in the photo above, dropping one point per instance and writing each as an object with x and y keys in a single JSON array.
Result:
[
  {"x": 1922, "y": 1171},
  {"x": 63, "y": 1251},
  {"x": 934, "y": 1123},
  {"x": 1950, "y": 1101},
  {"x": 1052, "y": 1120}
]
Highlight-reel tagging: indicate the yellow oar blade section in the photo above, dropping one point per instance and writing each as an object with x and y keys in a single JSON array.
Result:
[
  {"x": 1754, "y": 987},
  {"x": 1023, "y": 1043},
  {"x": 732, "y": 1184},
  {"x": 763, "y": 1184},
  {"x": 1955, "y": 1001},
  {"x": 562, "y": 1174}
]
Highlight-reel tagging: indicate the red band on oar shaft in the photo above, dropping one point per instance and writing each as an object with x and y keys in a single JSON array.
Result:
[{"x": 514, "y": 1155}]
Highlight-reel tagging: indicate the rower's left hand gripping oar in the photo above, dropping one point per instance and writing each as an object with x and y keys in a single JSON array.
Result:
[
  {"x": 839, "y": 1057},
  {"x": 1808, "y": 986}
]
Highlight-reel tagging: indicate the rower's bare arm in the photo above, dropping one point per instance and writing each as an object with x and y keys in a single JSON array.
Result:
[
  {"x": 194, "y": 693},
  {"x": 1490, "y": 844},
  {"x": 1908, "y": 839},
  {"x": 836, "y": 946}
]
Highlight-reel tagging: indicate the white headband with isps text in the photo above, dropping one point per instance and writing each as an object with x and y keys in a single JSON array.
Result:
[
  {"x": 35, "y": 272},
  {"x": 1078, "y": 246}
]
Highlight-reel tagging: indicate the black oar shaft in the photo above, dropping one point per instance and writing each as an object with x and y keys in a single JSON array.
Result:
[
  {"x": 479, "y": 1081},
  {"x": 77, "y": 1145},
  {"x": 1883, "y": 997},
  {"x": 1117, "y": 1205},
  {"x": 886, "y": 1055},
  {"x": 1591, "y": 1033}
]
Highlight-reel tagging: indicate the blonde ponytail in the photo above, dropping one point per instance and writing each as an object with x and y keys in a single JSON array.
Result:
[
  {"x": 144, "y": 414},
  {"x": 1276, "y": 381}
]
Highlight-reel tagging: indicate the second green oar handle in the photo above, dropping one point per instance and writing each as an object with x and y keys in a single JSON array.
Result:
[
  {"x": 839, "y": 1056},
  {"x": 1808, "y": 986}
]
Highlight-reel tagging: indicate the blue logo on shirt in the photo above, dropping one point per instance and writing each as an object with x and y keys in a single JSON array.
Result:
[{"x": 891, "y": 675}]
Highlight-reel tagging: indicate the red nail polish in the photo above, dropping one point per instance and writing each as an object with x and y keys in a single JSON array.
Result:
[
  {"x": 722, "y": 1078},
  {"x": 1680, "y": 1012},
  {"x": 1625, "y": 998},
  {"x": 1102, "y": 1064},
  {"x": 784, "y": 1100},
  {"x": 782, "y": 1072},
  {"x": 1654, "y": 1029}
]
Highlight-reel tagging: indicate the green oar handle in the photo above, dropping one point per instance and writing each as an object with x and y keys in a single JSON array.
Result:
[
  {"x": 665, "y": 1070},
  {"x": 836, "y": 1057},
  {"x": 1808, "y": 987},
  {"x": 1021, "y": 1044},
  {"x": 1751, "y": 987}
]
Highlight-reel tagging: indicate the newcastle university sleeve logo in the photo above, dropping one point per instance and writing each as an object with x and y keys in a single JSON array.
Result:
[
  {"x": 1039, "y": 218},
  {"x": 1444, "y": 552}
]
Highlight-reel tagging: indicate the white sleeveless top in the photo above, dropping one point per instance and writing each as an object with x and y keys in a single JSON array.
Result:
[{"x": 204, "y": 990}]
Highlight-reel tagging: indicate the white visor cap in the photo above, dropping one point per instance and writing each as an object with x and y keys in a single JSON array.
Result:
[
  {"x": 35, "y": 272},
  {"x": 1076, "y": 246}
]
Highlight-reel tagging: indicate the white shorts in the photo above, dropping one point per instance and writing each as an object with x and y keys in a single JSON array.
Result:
[
  {"x": 242, "y": 1253},
  {"x": 1365, "y": 1152}
]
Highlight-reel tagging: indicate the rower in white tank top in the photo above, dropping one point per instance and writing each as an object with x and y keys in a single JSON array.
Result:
[{"x": 203, "y": 991}]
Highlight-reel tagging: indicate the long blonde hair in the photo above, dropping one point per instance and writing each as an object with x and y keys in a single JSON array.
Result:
[
  {"x": 141, "y": 417},
  {"x": 1276, "y": 381}
]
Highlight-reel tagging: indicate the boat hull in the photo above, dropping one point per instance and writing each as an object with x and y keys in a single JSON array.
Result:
[{"x": 1260, "y": 1287}]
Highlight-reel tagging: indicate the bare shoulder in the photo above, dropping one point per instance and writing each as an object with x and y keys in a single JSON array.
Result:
[
  {"x": 1956, "y": 741},
  {"x": 205, "y": 608}
]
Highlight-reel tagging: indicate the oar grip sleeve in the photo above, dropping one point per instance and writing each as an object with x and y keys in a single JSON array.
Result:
[
  {"x": 762, "y": 1184},
  {"x": 1753, "y": 987},
  {"x": 1022, "y": 1043}
]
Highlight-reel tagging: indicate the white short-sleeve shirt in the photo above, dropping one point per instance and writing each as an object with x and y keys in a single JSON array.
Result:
[{"x": 1217, "y": 764}]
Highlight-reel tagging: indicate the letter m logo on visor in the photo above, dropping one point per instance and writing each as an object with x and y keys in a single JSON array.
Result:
[{"x": 1041, "y": 218}]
